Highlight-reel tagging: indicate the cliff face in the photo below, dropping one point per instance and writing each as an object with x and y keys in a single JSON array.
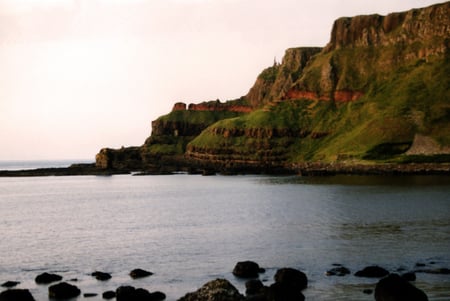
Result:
[{"x": 372, "y": 94}]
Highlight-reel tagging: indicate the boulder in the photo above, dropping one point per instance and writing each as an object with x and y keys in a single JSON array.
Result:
[
  {"x": 140, "y": 273},
  {"x": 395, "y": 288},
  {"x": 129, "y": 293},
  {"x": 46, "y": 278},
  {"x": 125, "y": 293},
  {"x": 101, "y": 276},
  {"x": 109, "y": 295},
  {"x": 372, "y": 272},
  {"x": 291, "y": 279},
  {"x": 16, "y": 295},
  {"x": 157, "y": 296},
  {"x": 63, "y": 290},
  {"x": 338, "y": 271},
  {"x": 215, "y": 290},
  {"x": 90, "y": 295},
  {"x": 283, "y": 292},
  {"x": 247, "y": 269},
  {"x": 10, "y": 284},
  {"x": 253, "y": 287}
]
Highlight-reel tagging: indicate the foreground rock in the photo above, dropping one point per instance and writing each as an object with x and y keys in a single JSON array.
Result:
[
  {"x": 10, "y": 284},
  {"x": 129, "y": 293},
  {"x": 216, "y": 290},
  {"x": 63, "y": 290},
  {"x": 140, "y": 273},
  {"x": 46, "y": 278},
  {"x": 16, "y": 295},
  {"x": 372, "y": 272},
  {"x": 247, "y": 269},
  {"x": 395, "y": 288},
  {"x": 101, "y": 276}
]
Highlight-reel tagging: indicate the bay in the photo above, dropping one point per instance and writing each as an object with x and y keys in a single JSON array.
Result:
[{"x": 190, "y": 229}]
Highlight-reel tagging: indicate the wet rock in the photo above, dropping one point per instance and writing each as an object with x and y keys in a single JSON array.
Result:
[
  {"x": 410, "y": 276},
  {"x": 372, "y": 272},
  {"x": 291, "y": 279},
  {"x": 338, "y": 271},
  {"x": 282, "y": 292},
  {"x": 253, "y": 287},
  {"x": 139, "y": 273},
  {"x": 216, "y": 290},
  {"x": 109, "y": 295},
  {"x": 101, "y": 276},
  {"x": 16, "y": 295},
  {"x": 395, "y": 288},
  {"x": 63, "y": 290},
  {"x": 90, "y": 295},
  {"x": 247, "y": 269},
  {"x": 46, "y": 278},
  {"x": 10, "y": 284},
  {"x": 157, "y": 296},
  {"x": 125, "y": 293}
]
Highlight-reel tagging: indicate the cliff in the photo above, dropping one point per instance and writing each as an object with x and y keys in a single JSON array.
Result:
[{"x": 377, "y": 93}]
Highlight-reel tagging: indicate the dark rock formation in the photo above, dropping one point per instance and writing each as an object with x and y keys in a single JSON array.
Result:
[
  {"x": 338, "y": 271},
  {"x": 10, "y": 284},
  {"x": 16, "y": 295},
  {"x": 63, "y": 290},
  {"x": 291, "y": 279},
  {"x": 139, "y": 273},
  {"x": 109, "y": 295},
  {"x": 46, "y": 278},
  {"x": 216, "y": 290},
  {"x": 372, "y": 272},
  {"x": 410, "y": 276},
  {"x": 253, "y": 287},
  {"x": 247, "y": 269},
  {"x": 102, "y": 276},
  {"x": 90, "y": 295},
  {"x": 395, "y": 288}
]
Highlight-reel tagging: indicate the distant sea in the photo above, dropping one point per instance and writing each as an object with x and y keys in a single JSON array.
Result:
[
  {"x": 33, "y": 164},
  {"x": 190, "y": 229}
]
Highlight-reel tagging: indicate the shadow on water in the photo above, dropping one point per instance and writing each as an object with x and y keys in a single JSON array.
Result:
[{"x": 370, "y": 180}]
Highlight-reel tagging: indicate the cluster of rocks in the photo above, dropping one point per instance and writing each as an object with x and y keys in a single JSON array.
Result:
[
  {"x": 63, "y": 290},
  {"x": 288, "y": 285}
]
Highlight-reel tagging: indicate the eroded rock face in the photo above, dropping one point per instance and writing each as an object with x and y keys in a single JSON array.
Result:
[
  {"x": 395, "y": 288},
  {"x": 216, "y": 290}
]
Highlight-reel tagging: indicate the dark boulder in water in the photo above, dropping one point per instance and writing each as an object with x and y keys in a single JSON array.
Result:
[
  {"x": 215, "y": 290},
  {"x": 395, "y": 288},
  {"x": 338, "y": 271},
  {"x": 291, "y": 279},
  {"x": 247, "y": 269},
  {"x": 16, "y": 295},
  {"x": 372, "y": 272},
  {"x": 63, "y": 290},
  {"x": 254, "y": 287},
  {"x": 109, "y": 295},
  {"x": 140, "y": 273},
  {"x": 46, "y": 278},
  {"x": 101, "y": 276},
  {"x": 129, "y": 293},
  {"x": 10, "y": 284}
]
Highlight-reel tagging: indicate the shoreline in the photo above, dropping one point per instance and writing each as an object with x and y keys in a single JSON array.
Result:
[{"x": 301, "y": 169}]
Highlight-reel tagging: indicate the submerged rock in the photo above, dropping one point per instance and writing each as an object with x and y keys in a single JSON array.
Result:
[
  {"x": 46, "y": 278},
  {"x": 395, "y": 288},
  {"x": 338, "y": 271},
  {"x": 216, "y": 290},
  {"x": 372, "y": 272},
  {"x": 101, "y": 276},
  {"x": 10, "y": 284},
  {"x": 63, "y": 290},
  {"x": 247, "y": 269},
  {"x": 16, "y": 295},
  {"x": 140, "y": 273}
]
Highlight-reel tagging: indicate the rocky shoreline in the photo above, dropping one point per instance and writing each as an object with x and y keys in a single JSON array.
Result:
[
  {"x": 288, "y": 285},
  {"x": 302, "y": 169}
]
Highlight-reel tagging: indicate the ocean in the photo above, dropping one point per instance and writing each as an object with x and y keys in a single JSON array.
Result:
[{"x": 189, "y": 229}]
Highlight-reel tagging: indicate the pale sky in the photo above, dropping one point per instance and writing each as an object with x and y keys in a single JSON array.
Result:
[{"x": 79, "y": 75}]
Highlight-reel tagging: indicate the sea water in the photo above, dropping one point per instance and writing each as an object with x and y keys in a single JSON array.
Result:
[{"x": 190, "y": 229}]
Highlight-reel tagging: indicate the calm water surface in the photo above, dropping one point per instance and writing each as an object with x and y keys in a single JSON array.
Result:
[{"x": 191, "y": 229}]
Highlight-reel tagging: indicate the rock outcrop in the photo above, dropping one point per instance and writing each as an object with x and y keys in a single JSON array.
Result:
[{"x": 364, "y": 102}]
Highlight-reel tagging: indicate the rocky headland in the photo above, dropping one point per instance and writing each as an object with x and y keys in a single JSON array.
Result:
[{"x": 374, "y": 100}]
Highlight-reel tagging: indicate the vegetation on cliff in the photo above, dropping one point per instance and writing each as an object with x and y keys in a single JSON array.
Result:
[{"x": 377, "y": 93}]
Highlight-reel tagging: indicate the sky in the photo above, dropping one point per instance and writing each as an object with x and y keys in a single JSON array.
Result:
[{"x": 80, "y": 75}]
